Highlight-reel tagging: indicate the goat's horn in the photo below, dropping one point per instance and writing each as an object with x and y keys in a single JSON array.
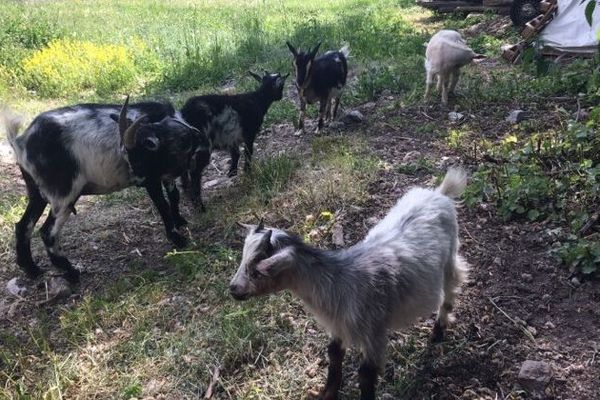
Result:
[
  {"x": 123, "y": 118},
  {"x": 129, "y": 134}
]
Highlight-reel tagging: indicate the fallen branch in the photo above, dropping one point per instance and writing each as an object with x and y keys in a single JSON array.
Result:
[
  {"x": 213, "y": 381},
  {"x": 520, "y": 326},
  {"x": 589, "y": 225}
]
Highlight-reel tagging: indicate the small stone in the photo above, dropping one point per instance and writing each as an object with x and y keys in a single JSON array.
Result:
[
  {"x": 16, "y": 287},
  {"x": 336, "y": 125},
  {"x": 516, "y": 116},
  {"x": 372, "y": 221},
  {"x": 454, "y": 116},
  {"x": 354, "y": 116},
  {"x": 575, "y": 281},
  {"x": 498, "y": 261},
  {"x": 337, "y": 234},
  {"x": 549, "y": 325},
  {"x": 411, "y": 156},
  {"x": 532, "y": 330},
  {"x": 534, "y": 376},
  {"x": 581, "y": 115},
  {"x": 58, "y": 288},
  {"x": 528, "y": 278},
  {"x": 369, "y": 105},
  {"x": 546, "y": 297}
]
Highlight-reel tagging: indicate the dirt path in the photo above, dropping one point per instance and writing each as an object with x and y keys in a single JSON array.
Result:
[{"x": 518, "y": 305}]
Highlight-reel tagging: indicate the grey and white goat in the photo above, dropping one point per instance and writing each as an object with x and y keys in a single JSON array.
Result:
[
  {"x": 320, "y": 79},
  {"x": 230, "y": 121},
  {"x": 407, "y": 267},
  {"x": 446, "y": 53},
  {"x": 90, "y": 149}
]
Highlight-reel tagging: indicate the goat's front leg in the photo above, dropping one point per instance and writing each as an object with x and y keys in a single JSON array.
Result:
[
  {"x": 154, "y": 189},
  {"x": 248, "y": 150},
  {"x": 173, "y": 195},
  {"x": 336, "y": 353},
  {"x": 302, "y": 114},
  {"x": 335, "y": 107},
  {"x": 235, "y": 158},
  {"x": 322, "y": 110},
  {"x": 373, "y": 357},
  {"x": 50, "y": 233},
  {"x": 429, "y": 78}
]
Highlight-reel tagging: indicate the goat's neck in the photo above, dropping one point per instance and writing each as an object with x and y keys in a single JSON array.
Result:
[
  {"x": 264, "y": 100},
  {"x": 318, "y": 278}
]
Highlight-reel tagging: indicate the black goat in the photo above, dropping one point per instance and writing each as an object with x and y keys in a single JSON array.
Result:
[
  {"x": 82, "y": 150},
  {"x": 320, "y": 79},
  {"x": 230, "y": 121}
]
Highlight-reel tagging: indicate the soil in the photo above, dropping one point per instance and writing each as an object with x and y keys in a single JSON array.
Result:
[{"x": 519, "y": 304}]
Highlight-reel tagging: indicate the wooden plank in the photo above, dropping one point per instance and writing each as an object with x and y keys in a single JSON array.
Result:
[{"x": 497, "y": 2}]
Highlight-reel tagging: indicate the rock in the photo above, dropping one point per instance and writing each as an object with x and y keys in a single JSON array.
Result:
[
  {"x": 546, "y": 297},
  {"x": 337, "y": 234},
  {"x": 354, "y": 116},
  {"x": 575, "y": 281},
  {"x": 527, "y": 278},
  {"x": 454, "y": 116},
  {"x": 516, "y": 116},
  {"x": 59, "y": 288},
  {"x": 336, "y": 125},
  {"x": 369, "y": 105},
  {"x": 498, "y": 261},
  {"x": 16, "y": 287},
  {"x": 549, "y": 325},
  {"x": 411, "y": 156},
  {"x": 534, "y": 376},
  {"x": 372, "y": 221},
  {"x": 581, "y": 115}
]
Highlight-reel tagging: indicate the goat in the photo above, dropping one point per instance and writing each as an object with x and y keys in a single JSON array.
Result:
[
  {"x": 90, "y": 149},
  {"x": 230, "y": 121},
  {"x": 406, "y": 267},
  {"x": 446, "y": 53},
  {"x": 320, "y": 79}
]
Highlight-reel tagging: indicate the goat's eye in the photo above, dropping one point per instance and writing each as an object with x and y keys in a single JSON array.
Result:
[{"x": 254, "y": 274}]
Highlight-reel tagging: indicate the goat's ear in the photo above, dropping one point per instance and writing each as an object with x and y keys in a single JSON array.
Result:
[
  {"x": 314, "y": 51},
  {"x": 265, "y": 242},
  {"x": 277, "y": 263},
  {"x": 255, "y": 76},
  {"x": 292, "y": 49},
  {"x": 260, "y": 226}
]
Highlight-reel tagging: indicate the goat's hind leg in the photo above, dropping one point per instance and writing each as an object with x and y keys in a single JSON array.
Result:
[
  {"x": 50, "y": 232},
  {"x": 455, "y": 275},
  {"x": 24, "y": 228}
]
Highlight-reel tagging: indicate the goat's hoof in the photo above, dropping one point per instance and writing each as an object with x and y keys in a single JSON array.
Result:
[
  {"x": 328, "y": 395},
  {"x": 72, "y": 276},
  {"x": 299, "y": 132},
  {"x": 33, "y": 272},
  {"x": 178, "y": 239},
  {"x": 179, "y": 221},
  {"x": 437, "y": 335}
]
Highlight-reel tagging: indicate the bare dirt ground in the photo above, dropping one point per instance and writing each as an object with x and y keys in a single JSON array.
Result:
[{"x": 520, "y": 303}]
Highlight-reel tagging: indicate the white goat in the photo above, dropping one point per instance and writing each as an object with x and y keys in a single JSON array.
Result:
[
  {"x": 407, "y": 267},
  {"x": 446, "y": 53}
]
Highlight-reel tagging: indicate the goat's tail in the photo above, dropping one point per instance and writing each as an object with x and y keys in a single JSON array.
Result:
[
  {"x": 454, "y": 183},
  {"x": 12, "y": 124},
  {"x": 345, "y": 50}
]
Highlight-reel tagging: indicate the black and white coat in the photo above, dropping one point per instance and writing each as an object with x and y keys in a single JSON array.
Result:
[
  {"x": 230, "y": 121},
  {"x": 78, "y": 150},
  {"x": 320, "y": 79}
]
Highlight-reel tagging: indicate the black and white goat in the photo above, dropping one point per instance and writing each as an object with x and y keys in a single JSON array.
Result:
[
  {"x": 230, "y": 121},
  {"x": 407, "y": 267},
  {"x": 92, "y": 149},
  {"x": 320, "y": 79}
]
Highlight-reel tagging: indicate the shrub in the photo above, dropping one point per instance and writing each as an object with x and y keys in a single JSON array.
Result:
[{"x": 68, "y": 67}]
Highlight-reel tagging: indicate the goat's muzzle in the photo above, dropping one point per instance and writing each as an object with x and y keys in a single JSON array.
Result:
[{"x": 234, "y": 290}]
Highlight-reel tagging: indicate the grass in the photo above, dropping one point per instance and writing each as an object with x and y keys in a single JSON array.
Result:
[{"x": 161, "y": 328}]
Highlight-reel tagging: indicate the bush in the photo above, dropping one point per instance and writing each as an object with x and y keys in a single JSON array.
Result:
[{"x": 67, "y": 67}]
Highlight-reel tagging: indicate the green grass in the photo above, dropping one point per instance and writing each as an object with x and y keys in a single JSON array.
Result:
[{"x": 151, "y": 334}]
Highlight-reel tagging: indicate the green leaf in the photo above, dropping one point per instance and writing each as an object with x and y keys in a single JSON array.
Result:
[
  {"x": 533, "y": 214},
  {"x": 589, "y": 10}
]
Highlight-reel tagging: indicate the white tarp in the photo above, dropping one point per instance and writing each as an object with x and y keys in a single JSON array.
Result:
[{"x": 569, "y": 31}]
